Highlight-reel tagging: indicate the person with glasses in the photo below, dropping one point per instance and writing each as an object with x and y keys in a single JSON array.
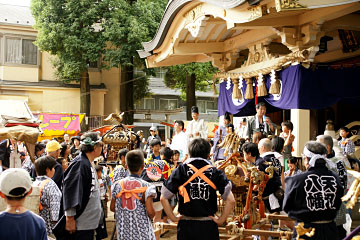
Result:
[{"x": 81, "y": 192}]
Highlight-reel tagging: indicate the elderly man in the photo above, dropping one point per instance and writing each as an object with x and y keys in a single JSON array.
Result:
[
  {"x": 260, "y": 123},
  {"x": 313, "y": 197},
  {"x": 341, "y": 171},
  {"x": 81, "y": 193},
  {"x": 197, "y": 127},
  {"x": 273, "y": 193},
  {"x": 53, "y": 149}
]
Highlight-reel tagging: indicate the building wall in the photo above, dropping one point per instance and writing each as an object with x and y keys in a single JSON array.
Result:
[
  {"x": 111, "y": 79},
  {"x": 61, "y": 100},
  {"x": 20, "y": 73},
  {"x": 97, "y": 103},
  {"x": 47, "y": 71}
]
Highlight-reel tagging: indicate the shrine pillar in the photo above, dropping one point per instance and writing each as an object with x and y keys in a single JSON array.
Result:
[{"x": 301, "y": 120}]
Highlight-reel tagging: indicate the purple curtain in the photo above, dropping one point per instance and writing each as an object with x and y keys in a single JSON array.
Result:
[{"x": 301, "y": 89}]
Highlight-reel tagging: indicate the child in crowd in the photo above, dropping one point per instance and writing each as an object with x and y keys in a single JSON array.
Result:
[
  {"x": 347, "y": 146},
  {"x": 16, "y": 222},
  {"x": 120, "y": 171},
  {"x": 355, "y": 164},
  {"x": 175, "y": 158},
  {"x": 132, "y": 202},
  {"x": 166, "y": 163},
  {"x": 293, "y": 167},
  {"x": 155, "y": 145},
  {"x": 103, "y": 188},
  {"x": 168, "y": 166},
  {"x": 50, "y": 194},
  {"x": 287, "y": 128}
]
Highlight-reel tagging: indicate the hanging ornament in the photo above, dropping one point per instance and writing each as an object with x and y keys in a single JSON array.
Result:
[
  {"x": 228, "y": 83},
  {"x": 261, "y": 88},
  {"x": 236, "y": 90},
  {"x": 275, "y": 83},
  {"x": 249, "y": 93}
]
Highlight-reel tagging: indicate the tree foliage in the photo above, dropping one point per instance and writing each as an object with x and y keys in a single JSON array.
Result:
[
  {"x": 176, "y": 76},
  {"x": 73, "y": 31},
  {"x": 79, "y": 32},
  {"x": 135, "y": 22}
]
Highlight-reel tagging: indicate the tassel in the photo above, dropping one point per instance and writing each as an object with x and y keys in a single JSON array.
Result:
[
  {"x": 236, "y": 91},
  {"x": 249, "y": 93},
  {"x": 261, "y": 88},
  {"x": 275, "y": 83}
]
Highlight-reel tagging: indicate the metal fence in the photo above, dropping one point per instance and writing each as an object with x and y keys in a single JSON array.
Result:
[{"x": 95, "y": 122}]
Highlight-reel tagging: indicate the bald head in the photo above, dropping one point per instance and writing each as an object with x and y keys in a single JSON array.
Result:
[{"x": 264, "y": 145}]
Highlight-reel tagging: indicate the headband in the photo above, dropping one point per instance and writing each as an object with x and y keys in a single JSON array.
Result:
[
  {"x": 314, "y": 157},
  {"x": 89, "y": 141}
]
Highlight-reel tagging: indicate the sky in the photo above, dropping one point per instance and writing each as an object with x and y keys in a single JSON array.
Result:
[{"x": 16, "y": 2}]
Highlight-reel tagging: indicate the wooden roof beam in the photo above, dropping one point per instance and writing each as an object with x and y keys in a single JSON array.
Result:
[
  {"x": 213, "y": 30},
  {"x": 243, "y": 40},
  {"x": 329, "y": 13},
  {"x": 150, "y": 63},
  {"x": 334, "y": 56},
  {"x": 348, "y": 22},
  {"x": 198, "y": 48}
]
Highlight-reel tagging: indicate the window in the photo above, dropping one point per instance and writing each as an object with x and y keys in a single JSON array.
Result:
[
  {"x": 206, "y": 106},
  {"x": 211, "y": 105},
  {"x": 201, "y": 106},
  {"x": 168, "y": 104},
  {"x": 146, "y": 103},
  {"x": 149, "y": 103},
  {"x": 21, "y": 51},
  {"x": 160, "y": 72}
]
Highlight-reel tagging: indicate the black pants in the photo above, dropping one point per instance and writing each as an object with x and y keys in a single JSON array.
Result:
[
  {"x": 195, "y": 230},
  {"x": 79, "y": 235}
]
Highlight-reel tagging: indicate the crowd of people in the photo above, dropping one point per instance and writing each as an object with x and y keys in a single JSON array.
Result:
[{"x": 150, "y": 182}]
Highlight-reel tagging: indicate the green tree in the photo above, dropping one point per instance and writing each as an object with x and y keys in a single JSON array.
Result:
[
  {"x": 135, "y": 22},
  {"x": 189, "y": 78},
  {"x": 73, "y": 31},
  {"x": 78, "y": 33}
]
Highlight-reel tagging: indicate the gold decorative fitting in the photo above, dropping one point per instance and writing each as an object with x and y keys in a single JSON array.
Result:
[
  {"x": 288, "y": 5},
  {"x": 255, "y": 12}
]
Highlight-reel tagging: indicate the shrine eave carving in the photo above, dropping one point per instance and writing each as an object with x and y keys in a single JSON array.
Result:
[{"x": 230, "y": 32}]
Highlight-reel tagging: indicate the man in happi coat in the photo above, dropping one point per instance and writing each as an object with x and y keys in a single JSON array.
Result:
[{"x": 312, "y": 198}]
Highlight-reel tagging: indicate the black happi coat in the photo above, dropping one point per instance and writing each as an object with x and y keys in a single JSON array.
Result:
[
  {"x": 313, "y": 196},
  {"x": 77, "y": 184},
  {"x": 203, "y": 198},
  {"x": 75, "y": 192}
]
